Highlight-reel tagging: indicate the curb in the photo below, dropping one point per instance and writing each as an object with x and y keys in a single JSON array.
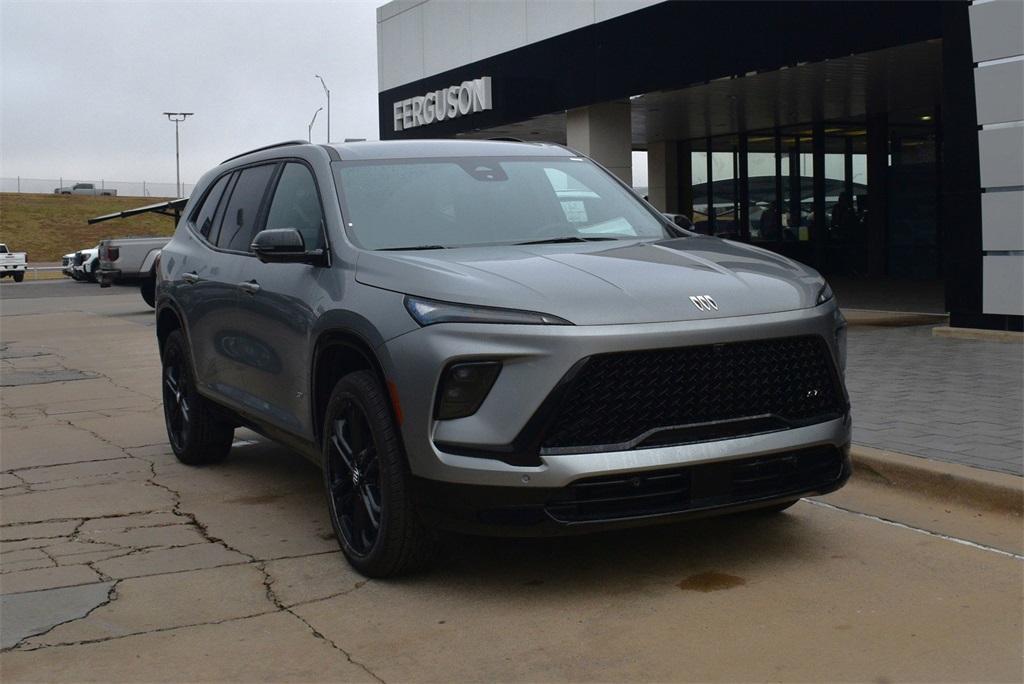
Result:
[
  {"x": 978, "y": 334},
  {"x": 891, "y": 319},
  {"x": 952, "y": 482}
]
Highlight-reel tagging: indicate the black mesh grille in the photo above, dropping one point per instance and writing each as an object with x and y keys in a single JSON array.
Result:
[
  {"x": 615, "y": 399},
  {"x": 707, "y": 485}
]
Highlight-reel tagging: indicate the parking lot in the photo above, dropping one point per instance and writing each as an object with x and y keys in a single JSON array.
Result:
[{"x": 120, "y": 564}]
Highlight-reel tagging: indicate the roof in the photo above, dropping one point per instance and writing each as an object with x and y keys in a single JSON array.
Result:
[{"x": 425, "y": 149}]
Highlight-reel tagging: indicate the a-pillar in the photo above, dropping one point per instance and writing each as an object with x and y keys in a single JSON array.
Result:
[{"x": 603, "y": 132}]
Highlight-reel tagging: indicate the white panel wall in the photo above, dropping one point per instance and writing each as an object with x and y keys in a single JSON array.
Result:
[
  {"x": 545, "y": 19},
  {"x": 496, "y": 26},
  {"x": 441, "y": 20},
  {"x": 1003, "y": 283},
  {"x": 1002, "y": 156},
  {"x": 996, "y": 29},
  {"x": 400, "y": 57},
  {"x": 997, "y": 33},
  {"x": 1000, "y": 92},
  {"x": 420, "y": 38},
  {"x": 1001, "y": 214}
]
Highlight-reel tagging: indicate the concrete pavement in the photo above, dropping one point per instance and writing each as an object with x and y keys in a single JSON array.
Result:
[{"x": 120, "y": 564}]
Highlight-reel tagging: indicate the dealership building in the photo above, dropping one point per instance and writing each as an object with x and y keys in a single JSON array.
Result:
[{"x": 880, "y": 142}]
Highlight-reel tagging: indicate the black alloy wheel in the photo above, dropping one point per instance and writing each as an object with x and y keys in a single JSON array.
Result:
[
  {"x": 368, "y": 482},
  {"x": 198, "y": 435},
  {"x": 176, "y": 407},
  {"x": 353, "y": 478}
]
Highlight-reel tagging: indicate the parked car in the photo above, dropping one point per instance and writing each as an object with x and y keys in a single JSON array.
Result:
[
  {"x": 84, "y": 189},
  {"x": 12, "y": 264},
  {"x": 130, "y": 261},
  {"x": 81, "y": 265},
  {"x": 459, "y": 350}
]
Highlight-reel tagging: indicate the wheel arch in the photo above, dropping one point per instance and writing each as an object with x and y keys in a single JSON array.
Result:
[
  {"x": 338, "y": 352},
  {"x": 169, "y": 319}
]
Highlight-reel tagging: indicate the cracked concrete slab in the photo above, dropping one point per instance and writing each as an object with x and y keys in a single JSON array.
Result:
[
  {"x": 47, "y": 578},
  {"x": 698, "y": 599},
  {"x": 39, "y": 377},
  {"x": 132, "y": 430},
  {"x": 312, "y": 578},
  {"x": 60, "y": 444},
  {"x": 38, "y": 530},
  {"x": 142, "y": 537},
  {"x": 27, "y": 614},
  {"x": 158, "y": 561},
  {"x": 86, "y": 502},
  {"x": 275, "y": 647},
  {"x": 161, "y": 602},
  {"x": 86, "y": 470}
]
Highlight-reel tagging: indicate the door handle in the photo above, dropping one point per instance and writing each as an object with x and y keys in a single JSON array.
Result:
[
  {"x": 250, "y": 286},
  {"x": 191, "y": 278}
]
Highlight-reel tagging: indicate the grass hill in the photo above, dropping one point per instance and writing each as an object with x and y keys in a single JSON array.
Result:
[{"x": 49, "y": 226}]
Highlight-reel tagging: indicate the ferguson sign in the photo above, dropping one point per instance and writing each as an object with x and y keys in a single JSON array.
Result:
[{"x": 446, "y": 103}]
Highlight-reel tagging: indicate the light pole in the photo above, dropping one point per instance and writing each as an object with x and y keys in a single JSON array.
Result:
[
  {"x": 309, "y": 129},
  {"x": 326, "y": 90},
  {"x": 177, "y": 118}
]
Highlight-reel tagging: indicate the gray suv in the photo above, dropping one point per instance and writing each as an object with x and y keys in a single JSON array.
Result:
[{"x": 494, "y": 338}]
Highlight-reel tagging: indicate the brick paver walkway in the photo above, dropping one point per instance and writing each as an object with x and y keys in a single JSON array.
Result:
[{"x": 951, "y": 400}]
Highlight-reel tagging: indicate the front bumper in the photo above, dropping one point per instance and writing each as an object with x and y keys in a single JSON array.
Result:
[
  {"x": 534, "y": 359},
  {"x": 655, "y": 497}
]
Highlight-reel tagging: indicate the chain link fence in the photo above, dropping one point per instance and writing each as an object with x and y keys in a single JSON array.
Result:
[{"x": 120, "y": 188}]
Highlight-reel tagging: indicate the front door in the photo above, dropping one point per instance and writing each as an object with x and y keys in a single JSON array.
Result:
[{"x": 277, "y": 304}]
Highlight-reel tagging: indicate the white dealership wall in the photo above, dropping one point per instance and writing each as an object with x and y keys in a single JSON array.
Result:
[
  {"x": 997, "y": 40},
  {"x": 420, "y": 38}
]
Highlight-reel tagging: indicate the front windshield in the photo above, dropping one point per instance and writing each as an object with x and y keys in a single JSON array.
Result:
[{"x": 435, "y": 203}]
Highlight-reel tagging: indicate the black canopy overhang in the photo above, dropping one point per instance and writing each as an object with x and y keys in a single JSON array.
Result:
[{"x": 172, "y": 208}]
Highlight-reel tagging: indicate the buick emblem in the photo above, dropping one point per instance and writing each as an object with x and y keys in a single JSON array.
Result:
[{"x": 704, "y": 303}]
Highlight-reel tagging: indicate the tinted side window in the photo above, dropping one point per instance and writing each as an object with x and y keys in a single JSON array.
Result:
[
  {"x": 202, "y": 217},
  {"x": 239, "y": 224},
  {"x": 297, "y": 205}
]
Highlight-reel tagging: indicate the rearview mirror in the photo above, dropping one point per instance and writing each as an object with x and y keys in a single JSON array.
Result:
[{"x": 284, "y": 245}]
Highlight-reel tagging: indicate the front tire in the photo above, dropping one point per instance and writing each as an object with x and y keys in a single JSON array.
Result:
[
  {"x": 196, "y": 435},
  {"x": 368, "y": 482}
]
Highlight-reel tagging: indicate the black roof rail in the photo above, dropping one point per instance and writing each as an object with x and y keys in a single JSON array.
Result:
[
  {"x": 267, "y": 147},
  {"x": 506, "y": 139}
]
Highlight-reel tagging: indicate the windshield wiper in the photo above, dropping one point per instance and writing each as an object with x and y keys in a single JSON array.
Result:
[
  {"x": 567, "y": 238},
  {"x": 402, "y": 249}
]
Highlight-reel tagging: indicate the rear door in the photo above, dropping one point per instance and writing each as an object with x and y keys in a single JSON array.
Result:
[
  {"x": 220, "y": 236},
  {"x": 277, "y": 306}
]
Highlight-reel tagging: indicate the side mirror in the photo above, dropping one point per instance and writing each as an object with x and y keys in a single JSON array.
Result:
[{"x": 284, "y": 246}]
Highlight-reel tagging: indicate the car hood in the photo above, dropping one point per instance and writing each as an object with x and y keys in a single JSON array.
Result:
[{"x": 601, "y": 283}]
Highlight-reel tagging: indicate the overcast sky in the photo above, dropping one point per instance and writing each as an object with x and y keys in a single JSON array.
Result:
[{"x": 84, "y": 84}]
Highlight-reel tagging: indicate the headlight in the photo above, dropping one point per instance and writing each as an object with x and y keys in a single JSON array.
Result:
[
  {"x": 429, "y": 311},
  {"x": 824, "y": 294}
]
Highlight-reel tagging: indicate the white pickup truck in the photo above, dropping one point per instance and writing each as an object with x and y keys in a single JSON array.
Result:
[
  {"x": 84, "y": 189},
  {"x": 12, "y": 264},
  {"x": 131, "y": 260}
]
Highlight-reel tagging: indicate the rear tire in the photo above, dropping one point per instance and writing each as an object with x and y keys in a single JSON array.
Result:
[
  {"x": 196, "y": 435},
  {"x": 368, "y": 483},
  {"x": 91, "y": 275},
  {"x": 148, "y": 291},
  {"x": 18, "y": 277}
]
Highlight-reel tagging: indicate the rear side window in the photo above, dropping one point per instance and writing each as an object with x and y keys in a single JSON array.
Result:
[
  {"x": 296, "y": 204},
  {"x": 238, "y": 227},
  {"x": 203, "y": 217}
]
